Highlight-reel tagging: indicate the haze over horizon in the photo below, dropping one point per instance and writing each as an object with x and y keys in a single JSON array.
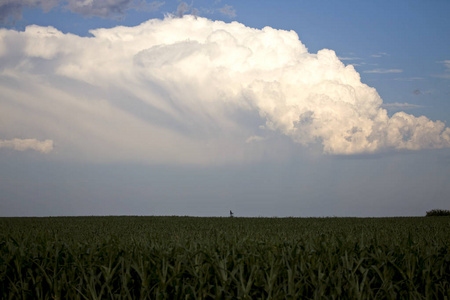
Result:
[{"x": 267, "y": 109}]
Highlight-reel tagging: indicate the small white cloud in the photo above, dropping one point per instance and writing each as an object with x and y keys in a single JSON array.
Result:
[
  {"x": 383, "y": 71},
  {"x": 25, "y": 144}
]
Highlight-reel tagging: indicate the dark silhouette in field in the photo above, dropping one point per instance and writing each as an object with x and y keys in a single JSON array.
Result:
[{"x": 231, "y": 214}]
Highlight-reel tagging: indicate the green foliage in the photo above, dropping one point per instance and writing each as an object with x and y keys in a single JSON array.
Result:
[
  {"x": 438, "y": 213},
  {"x": 225, "y": 258}
]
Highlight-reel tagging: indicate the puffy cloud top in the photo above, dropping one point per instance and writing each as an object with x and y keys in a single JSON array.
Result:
[{"x": 191, "y": 89}]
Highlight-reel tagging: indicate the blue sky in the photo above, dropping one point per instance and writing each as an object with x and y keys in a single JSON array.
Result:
[{"x": 191, "y": 116}]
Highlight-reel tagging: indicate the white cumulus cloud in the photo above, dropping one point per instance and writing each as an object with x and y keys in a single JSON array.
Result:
[{"x": 192, "y": 90}]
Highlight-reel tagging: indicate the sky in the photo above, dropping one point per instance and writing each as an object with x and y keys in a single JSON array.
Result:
[{"x": 266, "y": 108}]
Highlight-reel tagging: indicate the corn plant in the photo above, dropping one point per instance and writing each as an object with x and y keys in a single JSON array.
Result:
[{"x": 224, "y": 258}]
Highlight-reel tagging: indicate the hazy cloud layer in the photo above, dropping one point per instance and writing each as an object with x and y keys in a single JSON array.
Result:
[
  {"x": 398, "y": 105},
  {"x": 378, "y": 55},
  {"x": 11, "y": 10},
  {"x": 182, "y": 9},
  {"x": 409, "y": 78},
  {"x": 25, "y": 144},
  {"x": 228, "y": 11},
  {"x": 446, "y": 64},
  {"x": 384, "y": 71},
  {"x": 349, "y": 58},
  {"x": 193, "y": 90}
]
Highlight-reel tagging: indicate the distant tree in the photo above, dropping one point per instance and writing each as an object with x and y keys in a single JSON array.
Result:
[
  {"x": 231, "y": 214},
  {"x": 438, "y": 213}
]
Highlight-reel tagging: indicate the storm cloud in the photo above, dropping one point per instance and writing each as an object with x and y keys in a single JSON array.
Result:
[{"x": 193, "y": 90}]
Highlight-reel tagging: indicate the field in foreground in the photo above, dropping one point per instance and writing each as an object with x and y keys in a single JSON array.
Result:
[{"x": 225, "y": 258}]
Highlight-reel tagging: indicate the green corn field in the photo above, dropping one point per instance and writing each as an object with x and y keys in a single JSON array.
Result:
[{"x": 224, "y": 258}]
